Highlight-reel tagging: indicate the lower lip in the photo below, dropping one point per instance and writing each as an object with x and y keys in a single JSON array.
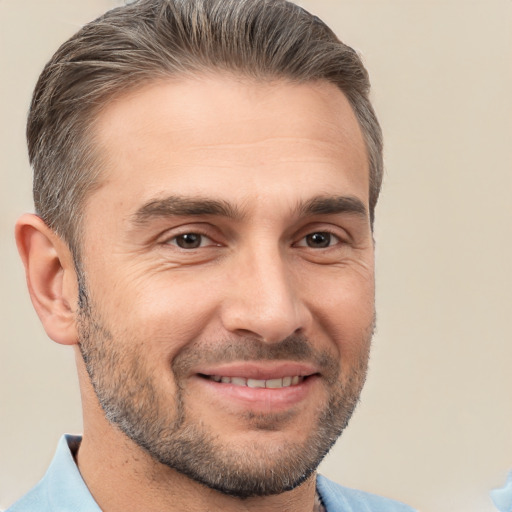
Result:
[{"x": 260, "y": 399}]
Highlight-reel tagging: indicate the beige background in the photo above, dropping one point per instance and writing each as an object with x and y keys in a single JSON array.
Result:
[{"x": 434, "y": 427}]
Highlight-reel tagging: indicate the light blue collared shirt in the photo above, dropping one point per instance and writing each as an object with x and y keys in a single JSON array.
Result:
[
  {"x": 62, "y": 489},
  {"x": 502, "y": 498}
]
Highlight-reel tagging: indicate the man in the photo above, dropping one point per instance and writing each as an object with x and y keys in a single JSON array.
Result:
[{"x": 205, "y": 178}]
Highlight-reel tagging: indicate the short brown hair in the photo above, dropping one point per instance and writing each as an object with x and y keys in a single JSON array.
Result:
[{"x": 150, "y": 39}]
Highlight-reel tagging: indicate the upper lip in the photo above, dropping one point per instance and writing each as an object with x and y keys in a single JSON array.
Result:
[{"x": 261, "y": 370}]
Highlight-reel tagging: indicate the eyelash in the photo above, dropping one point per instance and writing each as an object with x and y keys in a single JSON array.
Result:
[
  {"x": 206, "y": 241},
  {"x": 328, "y": 234},
  {"x": 202, "y": 238}
]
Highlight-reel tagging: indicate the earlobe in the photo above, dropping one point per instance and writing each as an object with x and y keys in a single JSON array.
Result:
[{"x": 51, "y": 277}]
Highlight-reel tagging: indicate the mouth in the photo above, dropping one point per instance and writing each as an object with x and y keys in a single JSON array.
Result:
[
  {"x": 275, "y": 383},
  {"x": 259, "y": 386}
]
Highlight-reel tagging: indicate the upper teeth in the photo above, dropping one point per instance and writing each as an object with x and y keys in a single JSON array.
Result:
[{"x": 257, "y": 383}]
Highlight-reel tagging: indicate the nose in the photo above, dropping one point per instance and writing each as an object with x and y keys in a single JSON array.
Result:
[{"x": 264, "y": 300}]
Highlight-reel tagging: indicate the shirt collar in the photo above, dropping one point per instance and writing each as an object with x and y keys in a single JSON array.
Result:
[{"x": 66, "y": 489}]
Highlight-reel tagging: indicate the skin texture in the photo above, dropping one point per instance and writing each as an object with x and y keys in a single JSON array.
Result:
[{"x": 275, "y": 278}]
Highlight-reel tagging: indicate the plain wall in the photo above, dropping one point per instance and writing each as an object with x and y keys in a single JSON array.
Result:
[{"x": 434, "y": 427}]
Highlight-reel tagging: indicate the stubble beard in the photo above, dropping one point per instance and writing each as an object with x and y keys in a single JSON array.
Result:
[{"x": 128, "y": 393}]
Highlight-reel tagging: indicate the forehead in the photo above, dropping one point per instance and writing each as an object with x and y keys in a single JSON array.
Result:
[{"x": 229, "y": 137}]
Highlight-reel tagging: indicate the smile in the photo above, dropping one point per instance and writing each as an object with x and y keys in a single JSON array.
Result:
[
  {"x": 261, "y": 387},
  {"x": 284, "y": 382}
]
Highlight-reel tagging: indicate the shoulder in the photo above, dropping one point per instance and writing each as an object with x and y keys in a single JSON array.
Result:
[
  {"x": 35, "y": 500},
  {"x": 502, "y": 498},
  {"x": 62, "y": 488},
  {"x": 342, "y": 499}
]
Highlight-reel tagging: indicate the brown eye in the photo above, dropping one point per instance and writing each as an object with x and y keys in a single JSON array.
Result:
[
  {"x": 189, "y": 241},
  {"x": 319, "y": 240}
]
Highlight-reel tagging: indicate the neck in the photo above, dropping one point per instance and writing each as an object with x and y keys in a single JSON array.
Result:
[{"x": 124, "y": 478}]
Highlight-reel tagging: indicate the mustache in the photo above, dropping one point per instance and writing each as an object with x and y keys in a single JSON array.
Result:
[{"x": 297, "y": 348}]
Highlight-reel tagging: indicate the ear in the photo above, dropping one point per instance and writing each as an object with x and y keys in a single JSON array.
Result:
[{"x": 51, "y": 277}]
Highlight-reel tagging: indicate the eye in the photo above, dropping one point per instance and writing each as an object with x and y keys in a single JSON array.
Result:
[
  {"x": 191, "y": 241},
  {"x": 319, "y": 240}
]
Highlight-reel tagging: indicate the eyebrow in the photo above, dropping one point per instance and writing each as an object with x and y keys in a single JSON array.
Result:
[
  {"x": 184, "y": 206},
  {"x": 329, "y": 205},
  {"x": 190, "y": 206}
]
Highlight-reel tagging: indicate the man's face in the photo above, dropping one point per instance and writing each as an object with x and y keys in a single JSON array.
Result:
[{"x": 227, "y": 259}]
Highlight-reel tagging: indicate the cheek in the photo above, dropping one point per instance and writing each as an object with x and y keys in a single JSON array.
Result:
[
  {"x": 344, "y": 309},
  {"x": 163, "y": 312}
]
